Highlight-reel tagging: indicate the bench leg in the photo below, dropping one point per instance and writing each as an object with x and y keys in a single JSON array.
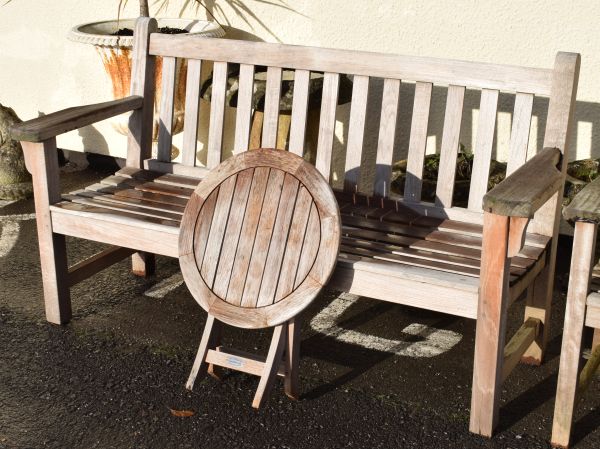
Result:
[
  {"x": 207, "y": 342},
  {"x": 596, "y": 339},
  {"x": 490, "y": 328},
  {"x": 539, "y": 306},
  {"x": 42, "y": 162},
  {"x": 278, "y": 344},
  {"x": 570, "y": 356},
  {"x": 292, "y": 359},
  {"x": 143, "y": 264}
]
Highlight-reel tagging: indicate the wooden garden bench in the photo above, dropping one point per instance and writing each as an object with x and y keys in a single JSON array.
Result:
[
  {"x": 469, "y": 261},
  {"x": 583, "y": 310},
  {"x": 259, "y": 239}
]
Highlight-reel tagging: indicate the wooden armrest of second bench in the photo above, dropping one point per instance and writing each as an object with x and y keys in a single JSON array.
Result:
[
  {"x": 586, "y": 204},
  {"x": 51, "y": 125},
  {"x": 528, "y": 188}
]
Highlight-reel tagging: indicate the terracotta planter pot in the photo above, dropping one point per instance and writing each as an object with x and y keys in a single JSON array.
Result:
[{"x": 115, "y": 52}]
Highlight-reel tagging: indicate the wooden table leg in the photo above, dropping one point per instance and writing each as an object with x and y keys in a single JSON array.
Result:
[
  {"x": 271, "y": 367},
  {"x": 292, "y": 359},
  {"x": 200, "y": 366}
]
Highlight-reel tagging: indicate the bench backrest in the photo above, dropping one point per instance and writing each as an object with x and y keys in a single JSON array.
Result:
[{"x": 558, "y": 84}]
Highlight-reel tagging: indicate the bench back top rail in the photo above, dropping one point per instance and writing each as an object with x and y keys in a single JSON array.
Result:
[{"x": 457, "y": 76}]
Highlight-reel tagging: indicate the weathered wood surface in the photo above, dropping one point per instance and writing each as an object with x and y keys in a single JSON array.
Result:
[
  {"x": 167, "y": 106},
  {"x": 141, "y": 121},
  {"x": 559, "y": 126},
  {"x": 442, "y": 71},
  {"x": 371, "y": 229},
  {"x": 450, "y": 143},
  {"x": 433, "y": 252},
  {"x": 192, "y": 109},
  {"x": 259, "y": 230},
  {"x": 98, "y": 262},
  {"x": 586, "y": 204},
  {"x": 528, "y": 188},
  {"x": 491, "y": 326},
  {"x": 42, "y": 163},
  {"x": 53, "y": 124},
  {"x": 584, "y": 243}
]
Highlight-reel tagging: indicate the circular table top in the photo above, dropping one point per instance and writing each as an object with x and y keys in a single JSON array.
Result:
[{"x": 259, "y": 238}]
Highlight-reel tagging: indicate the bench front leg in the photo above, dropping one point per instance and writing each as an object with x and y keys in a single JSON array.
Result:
[
  {"x": 41, "y": 160},
  {"x": 491, "y": 325}
]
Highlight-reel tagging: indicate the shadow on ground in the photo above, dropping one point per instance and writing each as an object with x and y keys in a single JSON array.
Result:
[{"x": 110, "y": 378}]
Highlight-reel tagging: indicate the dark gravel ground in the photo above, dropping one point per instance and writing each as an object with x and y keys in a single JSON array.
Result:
[{"x": 110, "y": 377}]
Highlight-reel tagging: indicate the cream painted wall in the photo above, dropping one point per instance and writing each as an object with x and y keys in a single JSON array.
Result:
[{"x": 42, "y": 71}]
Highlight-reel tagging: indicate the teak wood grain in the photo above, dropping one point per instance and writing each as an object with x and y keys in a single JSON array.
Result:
[
  {"x": 394, "y": 248},
  {"x": 258, "y": 230}
]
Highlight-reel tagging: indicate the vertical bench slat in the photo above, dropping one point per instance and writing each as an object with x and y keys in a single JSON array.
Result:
[
  {"x": 449, "y": 147},
  {"x": 192, "y": 107},
  {"x": 299, "y": 111},
  {"x": 244, "y": 108},
  {"x": 217, "y": 112},
  {"x": 167, "y": 101},
  {"x": 327, "y": 123},
  {"x": 387, "y": 133},
  {"x": 417, "y": 142},
  {"x": 483, "y": 148},
  {"x": 139, "y": 138},
  {"x": 519, "y": 135},
  {"x": 271, "y": 119},
  {"x": 356, "y": 131}
]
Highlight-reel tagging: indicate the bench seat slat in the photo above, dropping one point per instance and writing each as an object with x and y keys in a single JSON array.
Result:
[
  {"x": 128, "y": 208},
  {"x": 375, "y": 243},
  {"x": 132, "y": 193},
  {"x": 375, "y": 230},
  {"x": 126, "y": 201}
]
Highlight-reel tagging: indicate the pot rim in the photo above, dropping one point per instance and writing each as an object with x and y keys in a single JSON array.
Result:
[{"x": 97, "y": 33}]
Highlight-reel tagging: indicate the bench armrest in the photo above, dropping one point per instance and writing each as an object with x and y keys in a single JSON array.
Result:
[
  {"x": 51, "y": 125},
  {"x": 586, "y": 204},
  {"x": 528, "y": 188}
]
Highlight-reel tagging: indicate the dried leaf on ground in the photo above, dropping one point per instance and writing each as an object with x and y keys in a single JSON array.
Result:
[{"x": 182, "y": 413}]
